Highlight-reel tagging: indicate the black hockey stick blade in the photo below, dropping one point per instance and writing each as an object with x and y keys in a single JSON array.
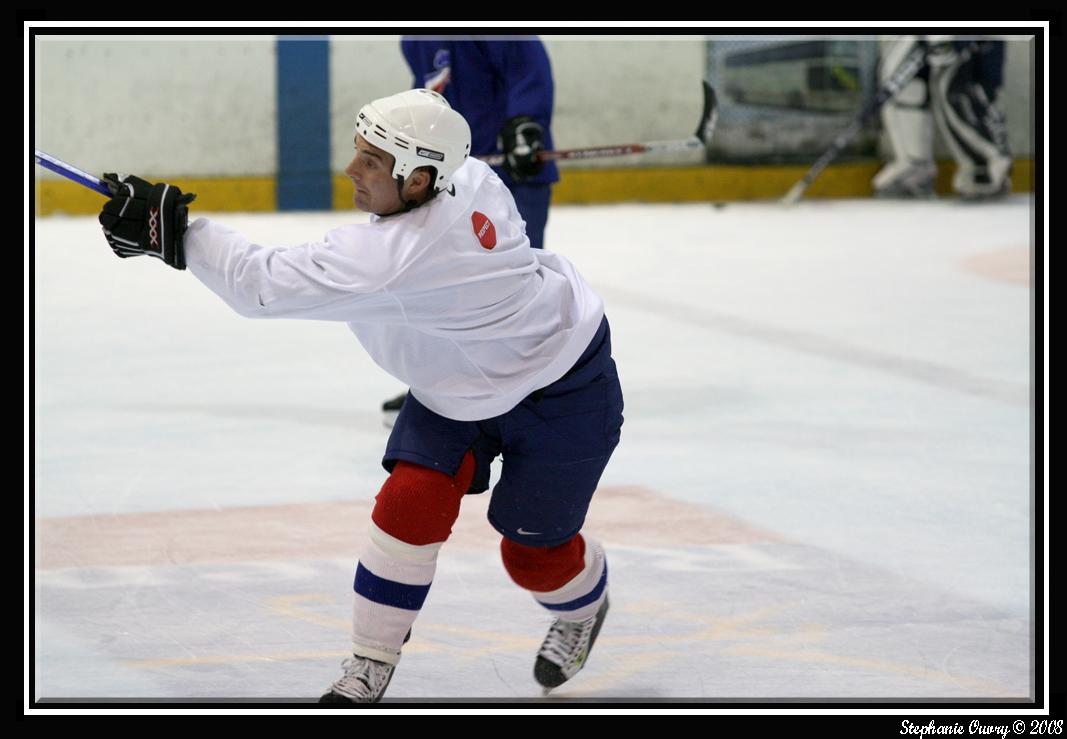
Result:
[{"x": 710, "y": 116}]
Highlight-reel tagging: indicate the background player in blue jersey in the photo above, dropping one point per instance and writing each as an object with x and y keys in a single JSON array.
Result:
[
  {"x": 504, "y": 89},
  {"x": 505, "y": 92}
]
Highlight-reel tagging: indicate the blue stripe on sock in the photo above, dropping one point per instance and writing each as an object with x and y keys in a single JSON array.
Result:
[
  {"x": 573, "y": 605},
  {"x": 388, "y": 592}
]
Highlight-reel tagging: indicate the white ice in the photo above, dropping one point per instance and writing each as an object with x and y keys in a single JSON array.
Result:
[{"x": 830, "y": 373}]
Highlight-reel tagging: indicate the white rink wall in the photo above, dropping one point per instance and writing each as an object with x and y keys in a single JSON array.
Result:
[
  {"x": 205, "y": 106},
  {"x": 195, "y": 106}
]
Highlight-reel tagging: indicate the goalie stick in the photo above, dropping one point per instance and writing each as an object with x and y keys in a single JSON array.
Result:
[
  {"x": 705, "y": 129},
  {"x": 908, "y": 68}
]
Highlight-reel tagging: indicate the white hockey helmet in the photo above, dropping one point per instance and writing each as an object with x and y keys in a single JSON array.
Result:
[{"x": 420, "y": 129}]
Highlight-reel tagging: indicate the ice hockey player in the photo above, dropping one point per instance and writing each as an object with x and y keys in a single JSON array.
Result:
[
  {"x": 957, "y": 89},
  {"x": 506, "y": 350}
]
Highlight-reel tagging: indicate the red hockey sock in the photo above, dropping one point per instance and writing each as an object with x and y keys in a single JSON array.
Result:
[
  {"x": 543, "y": 569},
  {"x": 418, "y": 505}
]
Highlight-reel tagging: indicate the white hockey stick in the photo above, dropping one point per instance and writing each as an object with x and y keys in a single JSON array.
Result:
[{"x": 698, "y": 140}]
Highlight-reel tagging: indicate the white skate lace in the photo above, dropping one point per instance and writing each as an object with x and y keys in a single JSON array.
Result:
[
  {"x": 566, "y": 641},
  {"x": 363, "y": 678}
]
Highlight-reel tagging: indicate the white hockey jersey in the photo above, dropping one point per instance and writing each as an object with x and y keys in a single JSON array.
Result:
[{"x": 449, "y": 298}]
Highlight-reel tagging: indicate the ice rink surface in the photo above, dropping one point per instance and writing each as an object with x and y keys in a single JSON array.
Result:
[{"x": 824, "y": 487}]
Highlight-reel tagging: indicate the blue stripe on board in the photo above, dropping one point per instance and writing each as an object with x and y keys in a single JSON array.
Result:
[
  {"x": 585, "y": 600},
  {"x": 388, "y": 592},
  {"x": 304, "y": 177}
]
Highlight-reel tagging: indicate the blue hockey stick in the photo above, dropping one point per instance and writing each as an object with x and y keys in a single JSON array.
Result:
[{"x": 71, "y": 173}]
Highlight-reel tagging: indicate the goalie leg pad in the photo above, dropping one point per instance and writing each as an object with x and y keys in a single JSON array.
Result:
[
  {"x": 973, "y": 128},
  {"x": 909, "y": 125}
]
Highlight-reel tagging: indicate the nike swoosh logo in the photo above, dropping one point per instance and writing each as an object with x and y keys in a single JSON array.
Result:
[{"x": 529, "y": 533}]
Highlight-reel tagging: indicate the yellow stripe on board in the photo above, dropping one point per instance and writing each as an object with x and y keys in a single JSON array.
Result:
[
  {"x": 342, "y": 193},
  {"x": 576, "y": 186},
  {"x": 738, "y": 182},
  {"x": 240, "y": 194}
]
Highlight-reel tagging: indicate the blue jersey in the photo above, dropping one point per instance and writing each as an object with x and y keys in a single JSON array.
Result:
[{"x": 489, "y": 83}]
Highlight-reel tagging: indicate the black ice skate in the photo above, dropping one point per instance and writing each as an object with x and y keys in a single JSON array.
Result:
[
  {"x": 364, "y": 681},
  {"x": 566, "y": 649}
]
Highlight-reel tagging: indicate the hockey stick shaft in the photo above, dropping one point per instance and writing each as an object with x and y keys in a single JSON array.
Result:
[
  {"x": 698, "y": 140},
  {"x": 70, "y": 172}
]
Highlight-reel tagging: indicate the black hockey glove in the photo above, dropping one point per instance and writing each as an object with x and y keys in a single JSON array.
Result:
[
  {"x": 520, "y": 141},
  {"x": 142, "y": 218}
]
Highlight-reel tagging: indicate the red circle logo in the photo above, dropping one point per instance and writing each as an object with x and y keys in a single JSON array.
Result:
[{"x": 484, "y": 229}]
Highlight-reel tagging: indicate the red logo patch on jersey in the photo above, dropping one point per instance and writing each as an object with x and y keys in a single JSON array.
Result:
[{"x": 484, "y": 230}]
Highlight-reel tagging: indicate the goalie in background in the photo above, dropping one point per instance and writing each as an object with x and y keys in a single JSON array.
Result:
[{"x": 957, "y": 91}]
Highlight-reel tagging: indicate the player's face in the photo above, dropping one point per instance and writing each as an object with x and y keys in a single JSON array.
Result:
[{"x": 371, "y": 171}]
